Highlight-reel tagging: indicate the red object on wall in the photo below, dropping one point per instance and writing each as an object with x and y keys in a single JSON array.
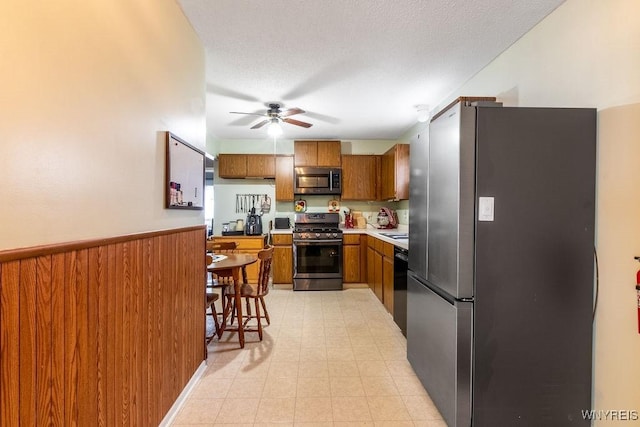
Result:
[{"x": 638, "y": 296}]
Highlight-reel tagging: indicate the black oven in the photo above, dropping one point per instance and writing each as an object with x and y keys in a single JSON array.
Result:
[
  {"x": 317, "y": 252},
  {"x": 317, "y": 264}
]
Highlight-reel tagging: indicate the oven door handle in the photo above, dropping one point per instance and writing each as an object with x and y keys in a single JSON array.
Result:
[{"x": 311, "y": 242}]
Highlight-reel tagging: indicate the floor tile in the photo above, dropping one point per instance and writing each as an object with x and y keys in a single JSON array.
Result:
[
  {"x": 388, "y": 408},
  {"x": 313, "y": 409},
  {"x": 421, "y": 407},
  {"x": 199, "y": 411},
  {"x": 246, "y": 387},
  {"x": 373, "y": 368},
  {"x": 350, "y": 409},
  {"x": 276, "y": 410},
  {"x": 343, "y": 368},
  {"x": 409, "y": 386},
  {"x": 340, "y": 353},
  {"x": 327, "y": 359},
  {"x": 279, "y": 369},
  {"x": 210, "y": 387},
  {"x": 313, "y": 368},
  {"x": 400, "y": 368},
  {"x": 281, "y": 387},
  {"x": 379, "y": 386},
  {"x": 346, "y": 386},
  {"x": 313, "y": 387},
  {"x": 241, "y": 410}
]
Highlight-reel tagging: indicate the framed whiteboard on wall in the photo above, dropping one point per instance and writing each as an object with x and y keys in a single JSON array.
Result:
[{"x": 184, "y": 188}]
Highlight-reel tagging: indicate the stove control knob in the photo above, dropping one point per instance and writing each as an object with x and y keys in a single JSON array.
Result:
[
  {"x": 335, "y": 234},
  {"x": 317, "y": 234}
]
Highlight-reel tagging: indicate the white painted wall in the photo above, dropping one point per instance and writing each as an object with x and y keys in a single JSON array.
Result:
[
  {"x": 587, "y": 54},
  {"x": 87, "y": 86}
]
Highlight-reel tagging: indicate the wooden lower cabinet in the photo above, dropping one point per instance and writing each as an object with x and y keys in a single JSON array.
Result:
[
  {"x": 247, "y": 245},
  {"x": 282, "y": 265},
  {"x": 377, "y": 275},
  {"x": 370, "y": 266},
  {"x": 351, "y": 258},
  {"x": 387, "y": 283},
  {"x": 380, "y": 259}
]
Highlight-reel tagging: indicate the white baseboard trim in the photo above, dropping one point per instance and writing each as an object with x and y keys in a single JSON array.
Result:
[
  {"x": 289, "y": 286},
  {"x": 177, "y": 405}
]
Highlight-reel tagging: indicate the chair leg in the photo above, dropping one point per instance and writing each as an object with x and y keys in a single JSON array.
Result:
[
  {"x": 214, "y": 313},
  {"x": 258, "y": 318},
  {"x": 227, "y": 309},
  {"x": 248, "y": 304},
  {"x": 264, "y": 308},
  {"x": 247, "y": 313},
  {"x": 233, "y": 310}
]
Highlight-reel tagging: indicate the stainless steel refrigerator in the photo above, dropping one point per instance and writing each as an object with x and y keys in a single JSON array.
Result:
[{"x": 501, "y": 270}]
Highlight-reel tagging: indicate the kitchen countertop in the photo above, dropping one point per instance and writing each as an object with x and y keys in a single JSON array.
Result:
[{"x": 370, "y": 230}]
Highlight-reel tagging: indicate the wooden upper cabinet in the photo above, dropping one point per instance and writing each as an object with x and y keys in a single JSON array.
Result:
[
  {"x": 359, "y": 177},
  {"x": 305, "y": 153},
  {"x": 232, "y": 165},
  {"x": 261, "y": 166},
  {"x": 317, "y": 153},
  {"x": 284, "y": 178},
  {"x": 394, "y": 173},
  {"x": 329, "y": 153},
  {"x": 246, "y": 166}
]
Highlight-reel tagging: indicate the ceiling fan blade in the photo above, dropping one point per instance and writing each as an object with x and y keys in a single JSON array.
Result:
[
  {"x": 291, "y": 112},
  {"x": 251, "y": 114},
  {"x": 259, "y": 125},
  {"x": 297, "y": 123}
]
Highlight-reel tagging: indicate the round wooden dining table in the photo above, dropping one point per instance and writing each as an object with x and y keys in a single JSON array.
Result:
[{"x": 234, "y": 265}]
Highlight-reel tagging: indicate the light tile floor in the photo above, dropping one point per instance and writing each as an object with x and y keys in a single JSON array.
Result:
[{"x": 329, "y": 358}]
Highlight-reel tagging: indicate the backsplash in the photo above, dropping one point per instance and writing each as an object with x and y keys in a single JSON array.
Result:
[
  {"x": 369, "y": 209},
  {"x": 227, "y": 189}
]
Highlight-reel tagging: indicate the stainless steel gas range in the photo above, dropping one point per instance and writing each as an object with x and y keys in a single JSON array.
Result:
[{"x": 317, "y": 252}]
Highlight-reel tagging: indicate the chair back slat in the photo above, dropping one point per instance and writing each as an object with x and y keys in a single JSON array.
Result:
[
  {"x": 221, "y": 247},
  {"x": 265, "y": 256}
]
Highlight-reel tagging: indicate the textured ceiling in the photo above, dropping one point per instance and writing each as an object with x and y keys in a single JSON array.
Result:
[{"x": 358, "y": 67}]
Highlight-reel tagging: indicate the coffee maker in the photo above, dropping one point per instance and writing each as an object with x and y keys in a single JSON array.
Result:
[{"x": 253, "y": 226}]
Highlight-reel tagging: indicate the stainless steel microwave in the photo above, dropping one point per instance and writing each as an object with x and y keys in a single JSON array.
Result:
[{"x": 307, "y": 180}]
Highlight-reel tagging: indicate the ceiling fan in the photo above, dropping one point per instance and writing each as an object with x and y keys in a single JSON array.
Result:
[{"x": 274, "y": 116}]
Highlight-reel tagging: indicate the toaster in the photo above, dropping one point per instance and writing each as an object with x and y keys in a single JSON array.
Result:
[{"x": 282, "y": 223}]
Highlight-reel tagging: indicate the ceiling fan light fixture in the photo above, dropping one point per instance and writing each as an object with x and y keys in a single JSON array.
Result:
[
  {"x": 274, "y": 128},
  {"x": 423, "y": 113}
]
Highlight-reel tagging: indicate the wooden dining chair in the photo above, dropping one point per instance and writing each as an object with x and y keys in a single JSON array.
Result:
[
  {"x": 209, "y": 307},
  {"x": 255, "y": 292},
  {"x": 221, "y": 247},
  {"x": 221, "y": 281}
]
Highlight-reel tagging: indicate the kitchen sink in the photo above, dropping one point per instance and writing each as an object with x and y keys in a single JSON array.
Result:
[{"x": 396, "y": 236}]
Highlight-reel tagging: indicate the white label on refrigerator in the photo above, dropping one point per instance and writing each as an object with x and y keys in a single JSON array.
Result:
[{"x": 485, "y": 209}]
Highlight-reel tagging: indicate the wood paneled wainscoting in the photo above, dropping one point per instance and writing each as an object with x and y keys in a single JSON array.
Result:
[{"x": 100, "y": 333}]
